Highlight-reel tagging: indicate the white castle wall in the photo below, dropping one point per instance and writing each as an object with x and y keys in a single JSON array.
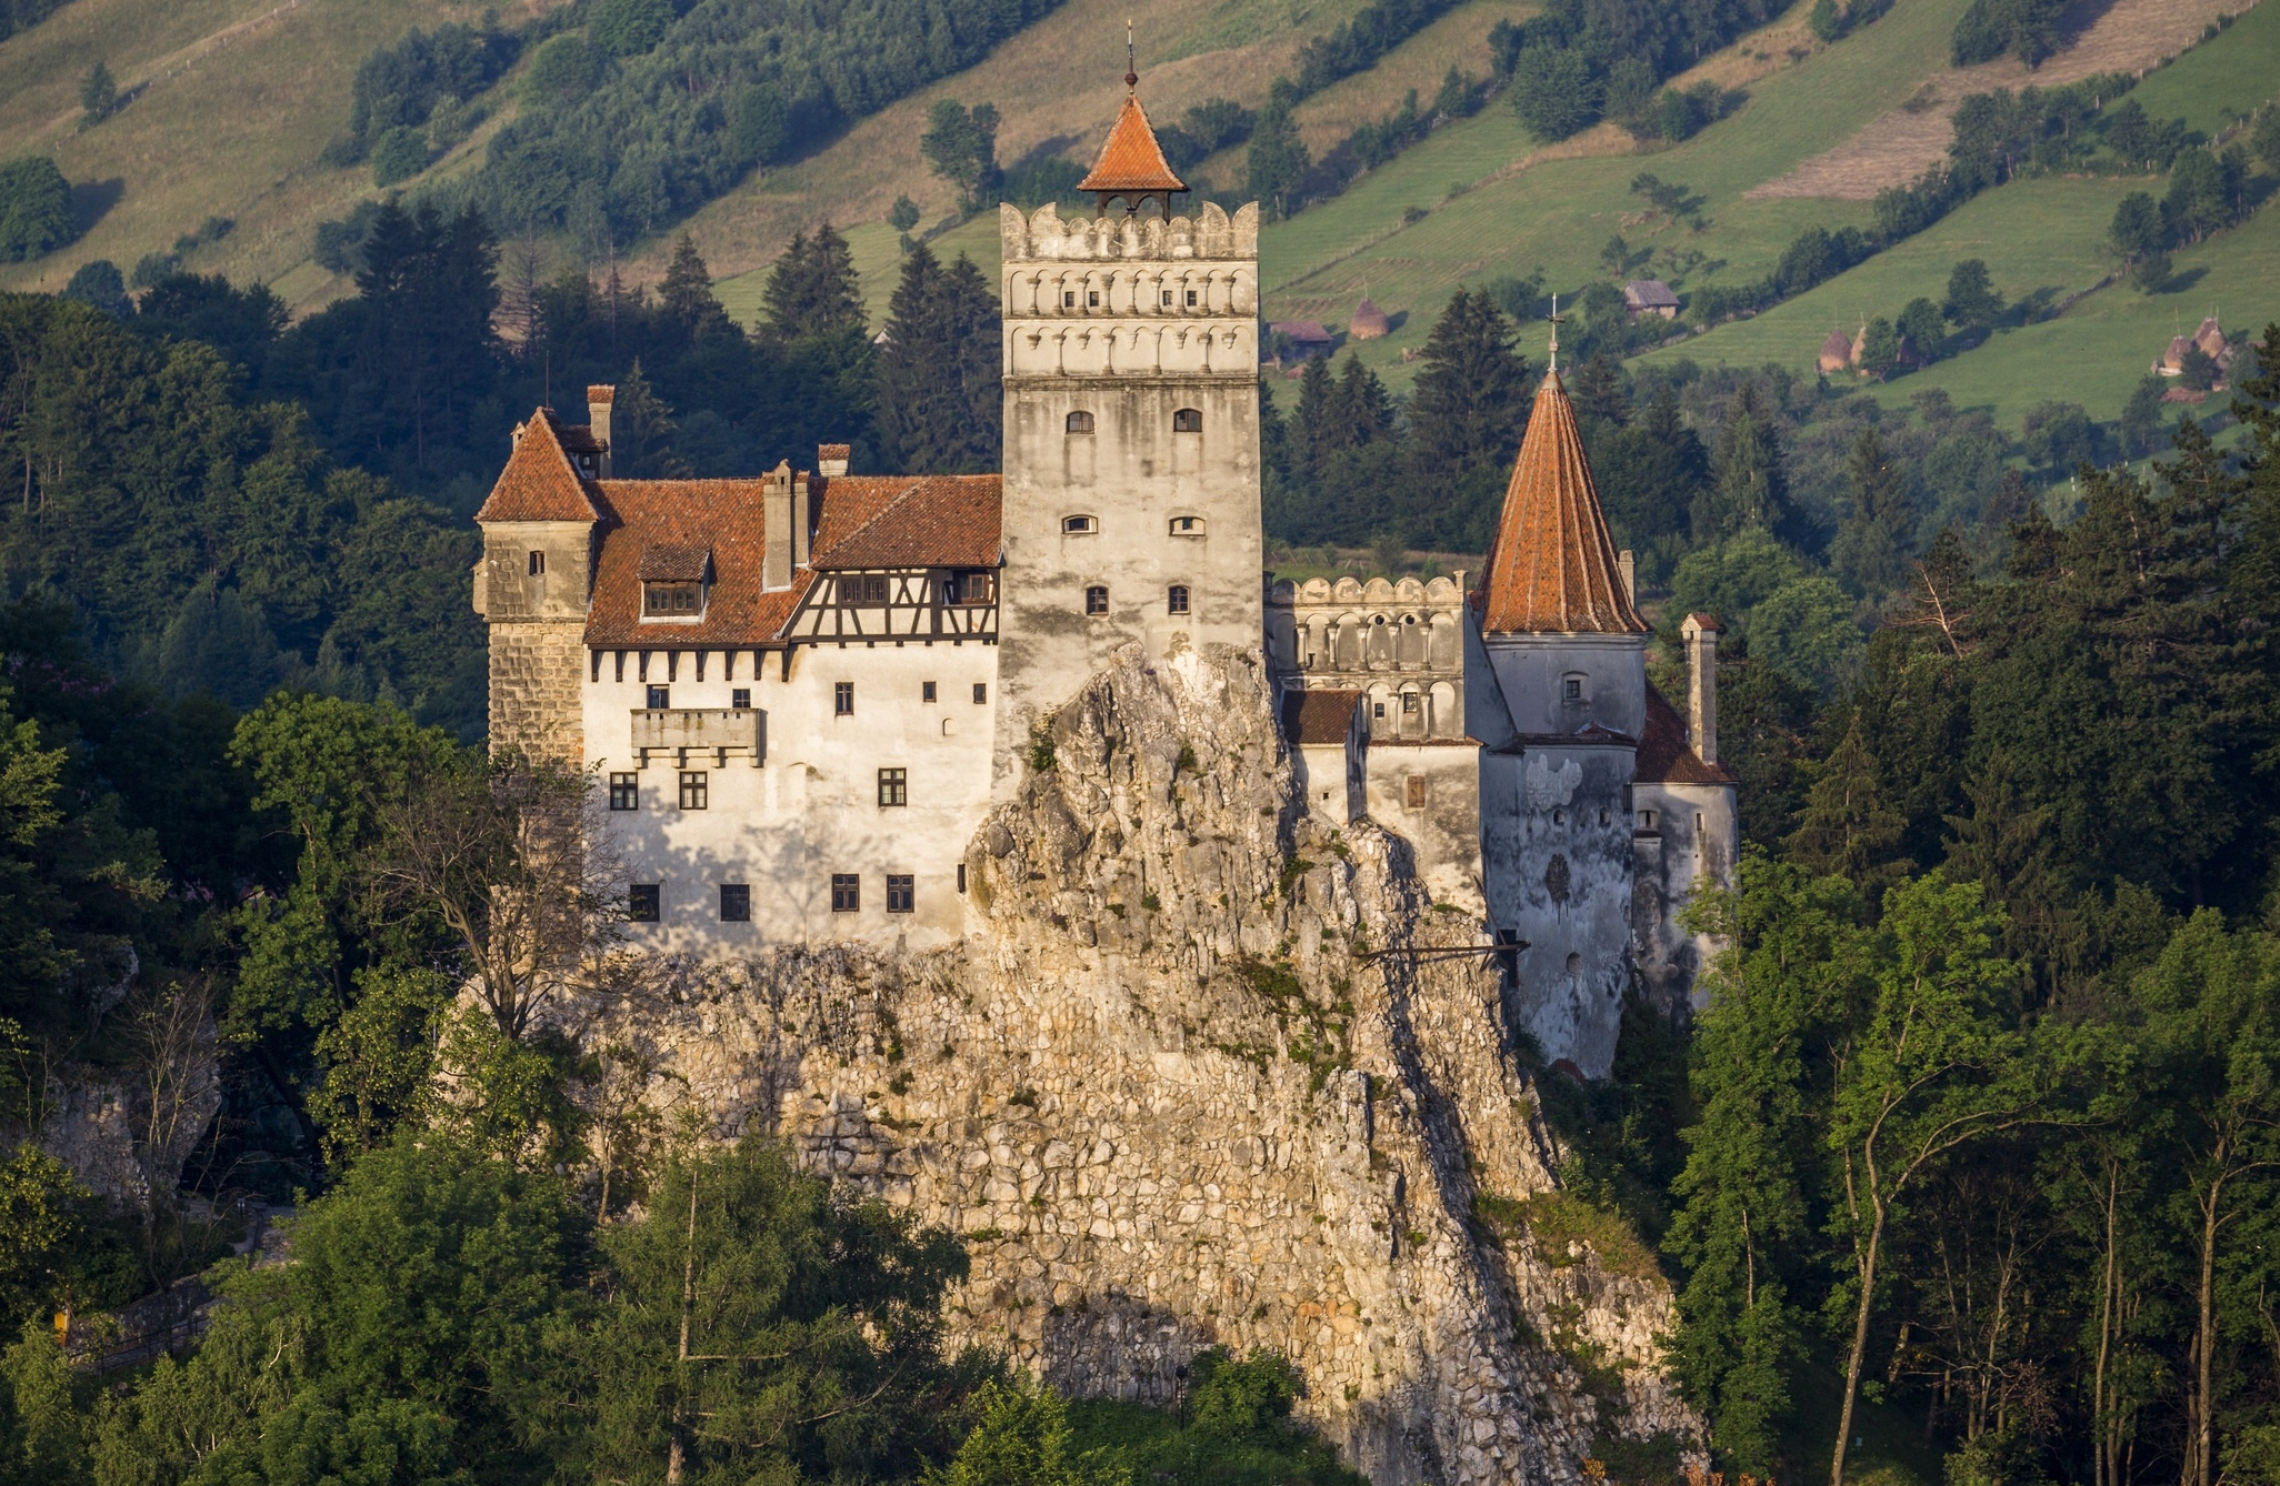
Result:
[{"x": 812, "y": 808}]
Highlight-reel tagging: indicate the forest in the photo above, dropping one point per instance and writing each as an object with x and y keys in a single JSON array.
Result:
[{"x": 1977, "y": 1144}]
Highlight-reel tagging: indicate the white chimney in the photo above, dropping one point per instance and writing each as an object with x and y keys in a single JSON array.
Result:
[
  {"x": 1700, "y": 633},
  {"x": 598, "y": 400},
  {"x": 1629, "y": 570},
  {"x": 831, "y": 459}
]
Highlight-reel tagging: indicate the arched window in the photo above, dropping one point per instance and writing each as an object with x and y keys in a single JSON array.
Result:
[
  {"x": 1096, "y": 601},
  {"x": 1080, "y": 422},
  {"x": 1187, "y": 420},
  {"x": 1187, "y": 526},
  {"x": 1078, "y": 526},
  {"x": 1177, "y": 599}
]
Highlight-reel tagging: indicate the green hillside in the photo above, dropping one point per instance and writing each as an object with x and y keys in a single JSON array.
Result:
[{"x": 2047, "y": 239}]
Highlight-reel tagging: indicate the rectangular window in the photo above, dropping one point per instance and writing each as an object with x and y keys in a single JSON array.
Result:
[
  {"x": 625, "y": 791},
  {"x": 660, "y": 698},
  {"x": 846, "y": 893},
  {"x": 537, "y": 563},
  {"x": 981, "y": 693},
  {"x": 961, "y": 877},
  {"x": 696, "y": 789},
  {"x": 1177, "y": 601},
  {"x": 899, "y": 892},
  {"x": 642, "y": 903},
  {"x": 843, "y": 699},
  {"x": 1572, "y": 688},
  {"x": 1092, "y": 299},
  {"x": 740, "y": 699},
  {"x": 673, "y": 600},
  {"x": 1167, "y": 296},
  {"x": 1646, "y": 820},
  {"x": 1096, "y": 601},
  {"x": 863, "y": 590},
  {"x": 1416, "y": 786},
  {"x": 894, "y": 786},
  {"x": 1377, "y": 709},
  {"x": 735, "y": 903},
  {"x": 1191, "y": 299},
  {"x": 1068, "y": 299},
  {"x": 926, "y": 691},
  {"x": 1409, "y": 701}
]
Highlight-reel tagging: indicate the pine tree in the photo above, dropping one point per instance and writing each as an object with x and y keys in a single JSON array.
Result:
[
  {"x": 1313, "y": 435},
  {"x": 1753, "y": 484},
  {"x": 939, "y": 411},
  {"x": 814, "y": 289},
  {"x": 687, "y": 294},
  {"x": 98, "y": 94},
  {"x": 1470, "y": 405},
  {"x": 1872, "y": 547},
  {"x": 1598, "y": 395},
  {"x": 1361, "y": 410},
  {"x": 1849, "y": 827},
  {"x": 641, "y": 432}
]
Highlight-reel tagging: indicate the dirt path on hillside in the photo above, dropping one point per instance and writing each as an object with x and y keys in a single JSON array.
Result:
[{"x": 2127, "y": 36}]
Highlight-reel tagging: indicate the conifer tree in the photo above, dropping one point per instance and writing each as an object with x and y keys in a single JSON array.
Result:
[
  {"x": 1872, "y": 547},
  {"x": 1316, "y": 393},
  {"x": 1598, "y": 394},
  {"x": 1361, "y": 408},
  {"x": 641, "y": 432},
  {"x": 1753, "y": 483},
  {"x": 687, "y": 293},
  {"x": 1470, "y": 405},
  {"x": 1848, "y": 828},
  {"x": 813, "y": 289},
  {"x": 939, "y": 411}
]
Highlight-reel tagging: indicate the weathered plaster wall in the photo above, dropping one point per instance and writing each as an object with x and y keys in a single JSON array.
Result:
[{"x": 1189, "y": 1083}]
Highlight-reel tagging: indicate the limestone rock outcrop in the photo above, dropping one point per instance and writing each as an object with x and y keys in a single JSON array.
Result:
[{"x": 1205, "y": 1072}]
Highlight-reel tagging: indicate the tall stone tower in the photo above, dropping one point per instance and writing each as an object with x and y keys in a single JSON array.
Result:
[
  {"x": 1131, "y": 504},
  {"x": 1556, "y": 691}
]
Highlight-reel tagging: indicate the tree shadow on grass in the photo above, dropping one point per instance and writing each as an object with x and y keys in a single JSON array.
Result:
[{"x": 91, "y": 201}]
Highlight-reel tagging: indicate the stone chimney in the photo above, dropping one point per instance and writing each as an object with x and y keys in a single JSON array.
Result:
[
  {"x": 831, "y": 459},
  {"x": 598, "y": 400},
  {"x": 803, "y": 518},
  {"x": 1629, "y": 568},
  {"x": 784, "y": 527},
  {"x": 1700, "y": 633}
]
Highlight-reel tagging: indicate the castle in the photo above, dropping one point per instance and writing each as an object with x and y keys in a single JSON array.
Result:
[{"x": 803, "y": 693}]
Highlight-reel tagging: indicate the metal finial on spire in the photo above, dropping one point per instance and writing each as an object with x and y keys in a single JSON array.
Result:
[
  {"x": 1131, "y": 68},
  {"x": 1557, "y": 319}
]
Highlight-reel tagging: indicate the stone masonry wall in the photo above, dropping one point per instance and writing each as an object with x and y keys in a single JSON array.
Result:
[
  {"x": 1199, "y": 1076},
  {"x": 536, "y": 674}
]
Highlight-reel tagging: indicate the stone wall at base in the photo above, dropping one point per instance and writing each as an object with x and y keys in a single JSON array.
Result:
[
  {"x": 1192, "y": 1082},
  {"x": 536, "y": 674}
]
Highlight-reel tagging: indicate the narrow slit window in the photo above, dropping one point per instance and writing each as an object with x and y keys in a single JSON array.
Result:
[{"x": 537, "y": 563}]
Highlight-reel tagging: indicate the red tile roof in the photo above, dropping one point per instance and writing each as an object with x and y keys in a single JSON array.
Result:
[
  {"x": 539, "y": 482},
  {"x": 1318, "y": 716},
  {"x": 908, "y": 521},
  {"x": 678, "y": 517},
  {"x": 1132, "y": 160},
  {"x": 1553, "y": 569},
  {"x": 671, "y": 562},
  {"x": 1665, "y": 754}
]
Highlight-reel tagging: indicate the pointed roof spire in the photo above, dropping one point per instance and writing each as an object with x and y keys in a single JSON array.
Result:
[
  {"x": 1132, "y": 163},
  {"x": 1553, "y": 569}
]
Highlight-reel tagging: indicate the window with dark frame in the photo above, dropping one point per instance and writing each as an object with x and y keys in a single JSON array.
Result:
[
  {"x": 625, "y": 791},
  {"x": 537, "y": 563},
  {"x": 894, "y": 786},
  {"x": 1096, "y": 601},
  {"x": 1416, "y": 788},
  {"x": 1068, "y": 299},
  {"x": 1092, "y": 299},
  {"x": 1191, "y": 299},
  {"x": 846, "y": 893},
  {"x": 926, "y": 691},
  {"x": 1187, "y": 420},
  {"x": 1409, "y": 701},
  {"x": 660, "y": 698},
  {"x": 1571, "y": 687},
  {"x": 673, "y": 600},
  {"x": 900, "y": 892},
  {"x": 864, "y": 590},
  {"x": 644, "y": 902},
  {"x": 740, "y": 700},
  {"x": 735, "y": 903},
  {"x": 981, "y": 693},
  {"x": 1080, "y": 422},
  {"x": 1176, "y": 599},
  {"x": 1077, "y": 526},
  {"x": 696, "y": 789},
  {"x": 1167, "y": 296},
  {"x": 843, "y": 699}
]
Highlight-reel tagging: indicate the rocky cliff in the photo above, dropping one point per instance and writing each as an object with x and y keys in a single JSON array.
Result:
[{"x": 1207, "y": 1071}]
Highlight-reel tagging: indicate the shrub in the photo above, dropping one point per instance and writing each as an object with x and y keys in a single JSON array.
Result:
[
  {"x": 1553, "y": 91},
  {"x": 565, "y": 70},
  {"x": 627, "y": 28},
  {"x": 398, "y": 155},
  {"x": 98, "y": 282}
]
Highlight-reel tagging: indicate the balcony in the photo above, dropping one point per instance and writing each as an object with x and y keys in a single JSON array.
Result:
[{"x": 703, "y": 731}]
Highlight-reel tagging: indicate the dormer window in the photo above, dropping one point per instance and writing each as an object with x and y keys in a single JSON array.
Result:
[
  {"x": 1079, "y": 526},
  {"x": 672, "y": 600},
  {"x": 1187, "y": 526},
  {"x": 1080, "y": 422},
  {"x": 1187, "y": 420}
]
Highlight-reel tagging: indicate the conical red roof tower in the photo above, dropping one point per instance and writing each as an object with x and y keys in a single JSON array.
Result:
[
  {"x": 1132, "y": 163},
  {"x": 1553, "y": 569}
]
